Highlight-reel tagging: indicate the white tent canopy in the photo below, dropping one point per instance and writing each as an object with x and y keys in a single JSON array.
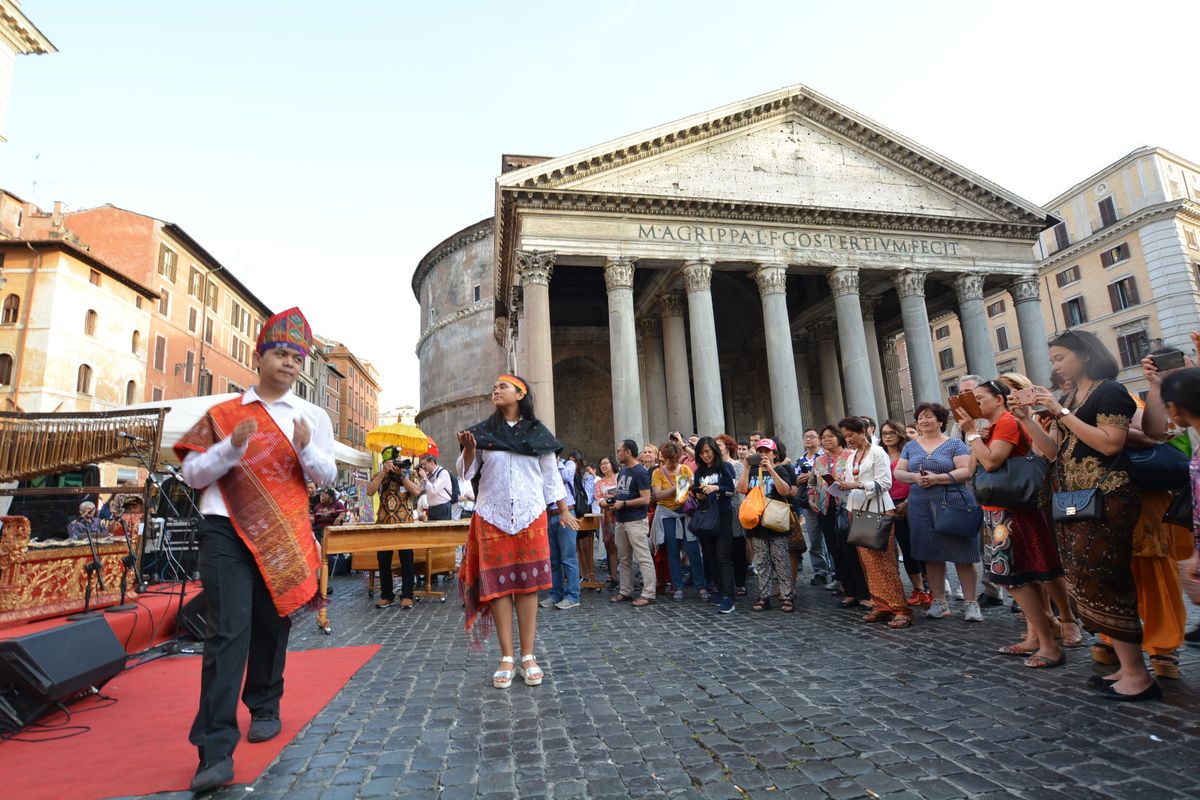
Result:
[{"x": 187, "y": 411}]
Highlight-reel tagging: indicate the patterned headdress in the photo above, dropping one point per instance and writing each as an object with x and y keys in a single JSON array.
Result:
[{"x": 286, "y": 329}]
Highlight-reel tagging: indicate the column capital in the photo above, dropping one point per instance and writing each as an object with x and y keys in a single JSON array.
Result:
[
  {"x": 889, "y": 345},
  {"x": 771, "y": 278},
  {"x": 697, "y": 275},
  {"x": 868, "y": 305},
  {"x": 649, "y": 327},
  {"x": 534, "y": 266},
  {"x": 618, "y": 272},
  {"x": 969, "y": 286},
  {"x": 843, "y": 281},
  {"x": 910, "y": 282},
  {"x": 824, "y": 329},
  {"x": 671, "y": 304},
  {"x": 800, "y": 338},
  {"x": 1025, "y": 287}
]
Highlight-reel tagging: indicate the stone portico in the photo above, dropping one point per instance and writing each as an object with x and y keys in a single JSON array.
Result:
[{"x": 749, "y": 268}]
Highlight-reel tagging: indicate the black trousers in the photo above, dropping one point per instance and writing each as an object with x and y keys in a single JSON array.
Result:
[
  {"x": 740, "y": 562},
  {"x": 845, "y": 556},
  {"x": 408, "y": 576},
  {"x": 245, "y": 638},
  {"x": 440, "y": 512},
  {"x": 911, "y": 565},
  {"x": 717, "y": 549}
]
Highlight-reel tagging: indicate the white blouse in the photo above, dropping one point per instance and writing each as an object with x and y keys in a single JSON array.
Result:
[
  {"x": 874, "y": 471},
  {"x": 514, "y": 489}
]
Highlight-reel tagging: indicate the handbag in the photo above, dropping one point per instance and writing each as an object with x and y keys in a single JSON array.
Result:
[
  {"x": 1181, "y": 510},
  {"x": 1017, "y": 483},
  {"x": 1082, "y": 505},
  {"x": 963, "y": 521},
  {"x": 706, "y": 519},
  {"x": 1161, "y": 466},
  {"x": 871, "y": 529},
  {"x": 797, "y": 543},
  {"x": 689, "y": 504},
  {"x": 752, "y": 508},
  {"x": 777, "y": 516}
]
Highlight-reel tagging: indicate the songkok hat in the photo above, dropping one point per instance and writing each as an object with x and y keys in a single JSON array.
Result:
[{"x": 286, "y": 329}]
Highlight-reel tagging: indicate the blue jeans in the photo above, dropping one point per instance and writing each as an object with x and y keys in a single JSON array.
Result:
[
  {"x": 564, "y": 561},
  {"x": 694, "y": 558},
  {"x": 821, "y": 560}
]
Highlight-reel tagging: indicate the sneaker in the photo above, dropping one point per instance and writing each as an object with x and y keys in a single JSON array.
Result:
[
  {"x": 725, "y": 606},
  {"x": 834, "y": 586},
  {"x": 549, "y": 602},
  {"x": 971, "y": 612},
  {"x": 677, "y": 597},
  {"x": 818, "y": 580},
  {"x": 987, "y": 601},
  {"x": 958, "y": 594},
  {"x": 382, "y": 603},
  {"x": 938, "y": 610},
  {"x": 566, "y": 604},
  {"x": 917, "y": 598},
  {"x": 406, "y": 604}
]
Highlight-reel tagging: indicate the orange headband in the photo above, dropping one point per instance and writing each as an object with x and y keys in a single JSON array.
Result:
[{"x": 515, "y": 381}]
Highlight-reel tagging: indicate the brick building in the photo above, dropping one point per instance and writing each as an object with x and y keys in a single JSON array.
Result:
[{"x": 357, "y": 383}]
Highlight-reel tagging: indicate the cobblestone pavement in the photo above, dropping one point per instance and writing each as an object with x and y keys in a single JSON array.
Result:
[{"x": 674, "y": 700}]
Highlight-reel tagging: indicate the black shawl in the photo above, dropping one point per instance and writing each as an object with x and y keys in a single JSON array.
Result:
[{"x": 525, "y": 438}]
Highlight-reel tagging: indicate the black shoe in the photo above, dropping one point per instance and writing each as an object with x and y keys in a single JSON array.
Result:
[
  {"x": 1151, "y": 692},
  {"x": 987, "y": 601},
  {"x": 212, "y": 775},
  {"x": 1098, "y": 682},
  {"x": 819, "y": 580},
  {"x": 264, "y": 726},
  {"x": 1192, "y": 637}
]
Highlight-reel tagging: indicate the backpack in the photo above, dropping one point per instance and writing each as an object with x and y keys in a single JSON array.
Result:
[
  {"x": 454, "y": 489},
  {"x": 580, "y": 500}
]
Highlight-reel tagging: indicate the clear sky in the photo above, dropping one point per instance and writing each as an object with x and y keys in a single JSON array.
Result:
[{"x": 319, "y": 150}]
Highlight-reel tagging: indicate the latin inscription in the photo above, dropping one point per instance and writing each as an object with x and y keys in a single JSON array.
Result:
[{"x": 796, "y": 239}]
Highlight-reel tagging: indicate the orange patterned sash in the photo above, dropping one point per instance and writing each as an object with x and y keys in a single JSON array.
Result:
[{"x": 267, "y": 501}]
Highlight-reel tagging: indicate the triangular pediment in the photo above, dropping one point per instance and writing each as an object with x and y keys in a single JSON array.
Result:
[{"x": 793, "y": 147}]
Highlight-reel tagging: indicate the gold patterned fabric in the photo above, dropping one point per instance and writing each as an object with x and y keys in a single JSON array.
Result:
[{"x": 394, "y": 504}]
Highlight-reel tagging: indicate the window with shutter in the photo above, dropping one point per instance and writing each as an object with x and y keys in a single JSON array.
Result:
[
  {"x": 1108, "y": 212},
  {"x": 1002, "y": 338},
  {"x": 1060, "y": 236}
]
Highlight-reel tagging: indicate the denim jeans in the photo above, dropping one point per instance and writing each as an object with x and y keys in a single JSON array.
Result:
[
  {"x": 821, "y": 560},
  {"x": 695, "y": 557},
  {"x": 564, "y": 560}
]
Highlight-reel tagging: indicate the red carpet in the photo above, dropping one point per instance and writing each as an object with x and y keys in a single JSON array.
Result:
[
  {"x": 139, "y": 744},
  {"x": 151, "y": 622}
]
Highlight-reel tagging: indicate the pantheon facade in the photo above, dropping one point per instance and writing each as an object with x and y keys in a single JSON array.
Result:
[{"x": 746, "y": 268}]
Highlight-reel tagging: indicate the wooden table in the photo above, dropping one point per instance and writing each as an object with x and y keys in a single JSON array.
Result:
[
  {"x": 589, "y": 524},
  {"x": 374, "y": 537}
]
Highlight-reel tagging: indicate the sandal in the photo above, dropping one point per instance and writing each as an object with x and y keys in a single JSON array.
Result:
[
  {"x": 849, "y": 602},
  {"x": 1075, "y": 638},
  {"x": 502, "y": 678},
  {"x": 619, "y": 598},
  {"x": 899, "y": 622},
  {"x": 704, "y": 595},
  {"x": 740, "y": 591},
  {"x": 1016, "y": 650},
  {"x": 878, "y": 616},
  {"x": 762, "y": 604},
  {"x": 1103, "y": 654},
  {"x": 1165, "y": 665},
  {"x": 533, "y": 676},
  {"x": 1045, "y": 662},
  {"x": 641, "y": 602},
  {"x": 787, "y": 606}
]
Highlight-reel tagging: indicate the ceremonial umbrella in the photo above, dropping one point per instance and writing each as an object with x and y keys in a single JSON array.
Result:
[{"x": 409, "y": 438}]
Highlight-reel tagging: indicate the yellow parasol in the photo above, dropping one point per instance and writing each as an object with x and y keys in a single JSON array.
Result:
[{"x": 409, "y": 438}]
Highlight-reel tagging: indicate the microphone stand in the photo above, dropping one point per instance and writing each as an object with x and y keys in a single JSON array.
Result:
[
  {"x": 130, "y": 560},
  {"x": 93, "y": 569},
  {"x": 191, "y": 541}
]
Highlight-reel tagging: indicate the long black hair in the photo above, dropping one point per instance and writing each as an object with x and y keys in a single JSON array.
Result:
[
  {"x": 718, "y": 463},
  {"x": 1098, "y": 362},
  {"x": 524, "y": 408},
  {"x": 1182, "y": 387}
]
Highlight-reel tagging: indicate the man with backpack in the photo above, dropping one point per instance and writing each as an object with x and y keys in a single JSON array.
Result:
[{"x": 441, "y": 489}]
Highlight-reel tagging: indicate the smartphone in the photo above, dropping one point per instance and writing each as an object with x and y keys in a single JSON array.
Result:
[
  {"x": 1022, "y": 397},
  {"x": 754, "y": 460},
  {"x": 1168, "y": 360},
  {"x": 828, "y": 478}
]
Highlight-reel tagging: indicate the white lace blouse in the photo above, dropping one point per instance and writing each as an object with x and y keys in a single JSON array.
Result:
[{"x": 513, "y": 489}]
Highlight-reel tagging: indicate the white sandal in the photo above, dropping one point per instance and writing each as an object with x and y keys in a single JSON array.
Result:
[
  {"x": 533, "y": 677},
  {"x": 502, "y": 678}
]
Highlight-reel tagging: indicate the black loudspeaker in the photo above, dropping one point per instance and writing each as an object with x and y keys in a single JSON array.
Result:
[
  {"x": 55, "y": 666},
  {"x": 193, "y": 618}
]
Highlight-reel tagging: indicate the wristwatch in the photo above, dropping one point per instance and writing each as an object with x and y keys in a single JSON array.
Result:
[
  {"x": 1064, "y": 412},
  {"x": 972, "y": 437}
]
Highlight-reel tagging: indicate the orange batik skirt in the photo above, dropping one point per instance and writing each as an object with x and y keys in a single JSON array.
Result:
[{"x": 498, "y": 564}]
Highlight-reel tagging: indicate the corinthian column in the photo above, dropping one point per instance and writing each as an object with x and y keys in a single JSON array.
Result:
[
  {"x": 856, "y": 368},
  {"x": 910, "y": 286},
  {"x": 622, "y": 345},
  {"x": 650, "y": 333},
  {"x": 535, "y": 357},
  {"x": 679, "y": 381},
  {"x": 706, "y": 366},
  {"x": 800, "y": 349},
  {"x": 781, "y": 361},
  {"x": 824, "y": 333},
  {"x": 1025, "y": 291},
  {"x": 895, "y": 393},
  {"x": 873, "y": 357},
  {"x": 972, "y": 318}
]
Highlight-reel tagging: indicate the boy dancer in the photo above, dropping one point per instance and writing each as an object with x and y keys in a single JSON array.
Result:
[{"x": 258, "y": 556}]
